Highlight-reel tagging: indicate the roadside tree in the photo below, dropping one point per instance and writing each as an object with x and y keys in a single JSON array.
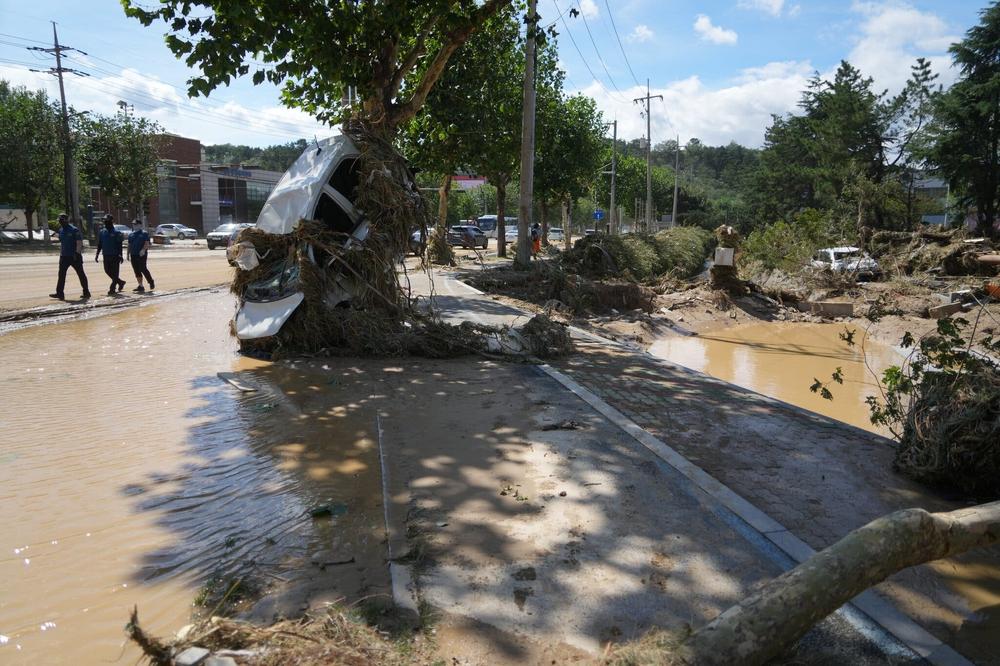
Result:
[
  {"x": 965, "y": 135},
  {"x": 30, "y": 150},
  {"x": 119, "y": 154},
  {"x": 570, "y": 152}
]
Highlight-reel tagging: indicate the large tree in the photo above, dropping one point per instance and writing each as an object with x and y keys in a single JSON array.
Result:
[
  {"x": 391, "y": 53},
  {"x": 30, "y": 149},
  {"x": 570, "y": 141},
  {"x": 848, "y": 141},
  {"x": 966, "y": 132},
  {"x": 118, "y": 153},
  {"x": 447, "y": 134}
]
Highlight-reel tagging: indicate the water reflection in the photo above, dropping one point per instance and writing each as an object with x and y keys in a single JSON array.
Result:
[
  {"x": 781, "y": 360},
  {"x": 130, "y": 474}
]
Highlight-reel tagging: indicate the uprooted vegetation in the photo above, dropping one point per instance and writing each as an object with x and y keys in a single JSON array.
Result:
[
  {"x": 604, "y": 273},
  {"x": 943, "y": 406}
]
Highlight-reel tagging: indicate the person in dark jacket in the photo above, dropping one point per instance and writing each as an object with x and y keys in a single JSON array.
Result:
[
  {"x": 138, "y": 250},
  {"x": 70, "y": 254},
  {"x": 109, "y": 241}
]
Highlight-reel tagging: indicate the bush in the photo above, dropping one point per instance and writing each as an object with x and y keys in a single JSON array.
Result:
[
  {"x": 789, "y": 246},
  {"x": 680, "y": 252}
]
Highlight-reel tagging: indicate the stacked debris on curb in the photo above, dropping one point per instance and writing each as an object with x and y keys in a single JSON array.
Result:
[
  {"x": 723, "y": 274},
  {"x": 938, "y": 251}
]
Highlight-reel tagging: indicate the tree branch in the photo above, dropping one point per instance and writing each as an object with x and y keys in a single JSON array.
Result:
[
  {"x": 763, "y": 625},
  {"x": 407, "y": 110}
]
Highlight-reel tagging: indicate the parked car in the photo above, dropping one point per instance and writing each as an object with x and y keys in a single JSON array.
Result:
[
  {"x": 510, "y": 234},
  {"x": 847, "y": 259},
  {"x": 467, "y": 235},
  {"x": 589, "y": 232},
  {"x": 178, "y": 231},
  {"x": 556, "y": 235},
  {"x": 219, "y": 237}
]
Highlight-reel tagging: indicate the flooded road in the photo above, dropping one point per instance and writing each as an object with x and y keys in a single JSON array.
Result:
[
  {"x": 131, "y": 475},
  {"x": 781, "y": 360}
]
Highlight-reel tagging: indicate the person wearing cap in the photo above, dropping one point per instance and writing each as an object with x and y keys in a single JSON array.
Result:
[
  {"x": 138, "y": 248},
  {"x": 110, "y": 242},
  {"x": 70, "y": 254}
]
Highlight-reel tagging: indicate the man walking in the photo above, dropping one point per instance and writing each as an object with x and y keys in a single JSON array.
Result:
[
  {"x": 138, "y": 248},
  {"x": 110, "y": 242},
  {"x": 70, "y": 254}
]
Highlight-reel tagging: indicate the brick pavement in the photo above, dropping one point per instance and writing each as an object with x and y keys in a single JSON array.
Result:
[{"x": 818, "y": 477}]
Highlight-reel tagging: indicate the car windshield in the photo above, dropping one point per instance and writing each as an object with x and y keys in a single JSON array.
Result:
[
  {"x": 487, "y": 223},
  {"x": 840, "y": 256},
  {"x": 226, "y": 228},
  {"x": 283, "y": 282}
]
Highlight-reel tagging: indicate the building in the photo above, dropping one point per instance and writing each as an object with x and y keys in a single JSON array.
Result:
[
  {"x": 195, "y": 194},
  {"x": 936, "y": 190}
]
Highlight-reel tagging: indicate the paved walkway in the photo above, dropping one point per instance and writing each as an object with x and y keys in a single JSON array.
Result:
[{"x": 817, "y": 477}]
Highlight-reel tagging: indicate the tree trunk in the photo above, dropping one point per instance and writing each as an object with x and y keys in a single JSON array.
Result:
[
  {"x": 43, "y": 220},
  {"x": 501, "y": 228},
  {"x": 763, "y": 625},
  {"x": 542, "y": 210},
  {"x": 567, "y": 222},
  {"x": 439, "y": 251},
  {"x": 29, "y": 225}
]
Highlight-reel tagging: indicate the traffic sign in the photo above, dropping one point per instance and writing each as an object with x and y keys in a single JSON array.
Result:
[{"x": 598, "y": 214}]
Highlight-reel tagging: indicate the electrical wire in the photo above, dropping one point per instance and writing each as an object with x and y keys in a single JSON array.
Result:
[
  {"x": 584, "y": 60},
  {"x": 620, "y": 46},
  {"x": 597, "y": 51}
]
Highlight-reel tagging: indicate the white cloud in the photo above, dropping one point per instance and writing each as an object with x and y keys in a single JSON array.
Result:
[
  {"x": 892, "y": 35},
  {"x": 713, "y": 33},
  {"x": 589, "y": 8},
  {"x": 641, "y": 33},
  {"x": 740, "y": 111},
  {"x": 210, "y": 121},
  {"x": 772, "y": 7}
]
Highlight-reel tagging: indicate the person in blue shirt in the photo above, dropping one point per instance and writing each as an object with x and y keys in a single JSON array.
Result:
[
  {"x": 138, "y": 249},
  {"x": 109, "y": 241},
  {"x": 70, "y": 254}
]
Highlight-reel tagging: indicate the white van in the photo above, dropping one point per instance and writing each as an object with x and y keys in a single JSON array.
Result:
[{"x": 320, "y": 185}]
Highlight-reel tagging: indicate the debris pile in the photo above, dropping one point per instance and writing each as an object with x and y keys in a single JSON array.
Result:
[
  {"x": 945, "y": 252},
  {"x": 951, "y": 434},
  {"x": 333, "y": 636},
  {"x": 678, "y": 252}
]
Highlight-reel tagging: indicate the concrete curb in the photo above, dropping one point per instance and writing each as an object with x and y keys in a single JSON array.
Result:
[
  {"x": 404, "y": 590},
  {"x": 880, "y": 611}
]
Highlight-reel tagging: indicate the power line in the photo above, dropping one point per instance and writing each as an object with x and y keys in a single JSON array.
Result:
[
  {"x": 597, "y": 51},
  {"x": 584, "y": 60},
  {"x": 620, "y": 46}
]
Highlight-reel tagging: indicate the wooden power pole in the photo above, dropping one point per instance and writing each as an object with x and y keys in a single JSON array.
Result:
[
  {"x": 649, "y": 153},
  {"x": 69, "y": 167},
  {"x": 523, "y": 256}
]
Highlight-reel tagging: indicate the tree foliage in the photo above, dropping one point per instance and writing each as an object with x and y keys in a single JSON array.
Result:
[
  {"x": 391, "y": 52},
  {"x": 965, "y": 136},
  {"x": 119, "y": 154},
  {"x": 273, "y": 158},
  {"x": 30, "y": 151}
]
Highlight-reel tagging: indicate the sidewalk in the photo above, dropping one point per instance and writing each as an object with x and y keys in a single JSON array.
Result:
[
  {"x": 818, "y": 478},
  {"x": 521, "y": 507}
]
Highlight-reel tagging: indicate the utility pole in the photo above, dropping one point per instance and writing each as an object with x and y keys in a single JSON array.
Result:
[
  {"x": 527, "y": 142},
  {"x": 677, "y": 177},
  {"x": 69, "y": 167},
  {"x": 612, "y": 211},
  {"x": 649, "y": 153}
]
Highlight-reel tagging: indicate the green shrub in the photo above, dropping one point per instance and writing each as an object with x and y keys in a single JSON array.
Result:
[
  {"x": 789, "y": 246},
  {"x": 683, "y": 250}
]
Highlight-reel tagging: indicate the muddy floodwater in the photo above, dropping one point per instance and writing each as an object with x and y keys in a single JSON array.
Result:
[
  {"x": 130, "y": 474},
  {"x": 781, "y": 361}
]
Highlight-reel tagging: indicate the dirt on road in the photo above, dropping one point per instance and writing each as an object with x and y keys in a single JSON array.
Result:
[{"x": 27, "y": 280}]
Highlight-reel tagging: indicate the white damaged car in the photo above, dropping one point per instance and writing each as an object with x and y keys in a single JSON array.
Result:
[
  {"x": 320, "y": 186},
  {"x": 847, "y": 259}
]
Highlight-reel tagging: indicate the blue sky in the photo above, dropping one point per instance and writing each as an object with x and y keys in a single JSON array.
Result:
[{"x": 723, "y": 66}]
